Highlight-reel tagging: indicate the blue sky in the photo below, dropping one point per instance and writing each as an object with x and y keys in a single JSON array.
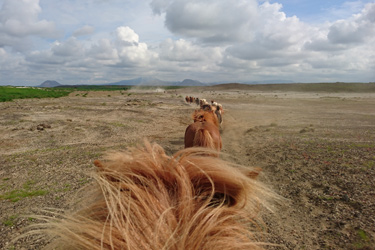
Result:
[
  {"x": 101, "y": 41},
  {"x": 320, "y": 10}
]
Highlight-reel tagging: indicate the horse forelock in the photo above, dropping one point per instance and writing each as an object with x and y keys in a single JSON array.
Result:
[{"x": 204, "y": 115}]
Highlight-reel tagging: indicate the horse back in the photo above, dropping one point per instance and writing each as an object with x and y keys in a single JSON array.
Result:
[{"x": 203, "y": 134}]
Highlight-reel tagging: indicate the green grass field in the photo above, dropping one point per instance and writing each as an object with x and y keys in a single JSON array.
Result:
[{"x": 10, "y": 93}]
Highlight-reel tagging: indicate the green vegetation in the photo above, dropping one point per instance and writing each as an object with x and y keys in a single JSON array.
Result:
[
  {"x": 11, "y": 93},
  {"x": 27, "y": 191},
  {"x": 8, "y": 93},
  {"x": 10, "y": 221},
  {"x": 17, "y": 194},
  {"x": 93, "y": 87},
  {"x": 363, "y": 240},
  {"x": 114, "y": 87},
  {"x": 363, "y": 235}
]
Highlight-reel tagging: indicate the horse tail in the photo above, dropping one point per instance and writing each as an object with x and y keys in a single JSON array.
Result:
[{"x": 203, "y": 138}]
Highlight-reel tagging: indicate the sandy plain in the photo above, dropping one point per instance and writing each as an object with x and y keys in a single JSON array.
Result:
[{"x": 316, "y": 149}]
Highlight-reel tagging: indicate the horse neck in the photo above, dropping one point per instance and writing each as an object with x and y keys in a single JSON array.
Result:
[{"x": 211, "y": 117}]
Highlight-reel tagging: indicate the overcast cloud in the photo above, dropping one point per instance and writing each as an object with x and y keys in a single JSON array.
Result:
[{"x": 98, "y": 41}]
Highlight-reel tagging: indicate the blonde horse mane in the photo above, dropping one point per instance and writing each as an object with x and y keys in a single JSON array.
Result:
[
  {"x": 203, "y": 138},
  {"x": 204, "y": 115},
  {"x": 149, "y": 200}
]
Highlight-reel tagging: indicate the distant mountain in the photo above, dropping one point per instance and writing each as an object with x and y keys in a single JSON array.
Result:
[
  {"x": 149, "y": 81},
  {"x": 276, "y": 81},
  {"x": 152, "y": 81},
  {"x": 190, "y": 82},
  {"x": 269, "y": 81},
  {"x": 49, "y": 84}
]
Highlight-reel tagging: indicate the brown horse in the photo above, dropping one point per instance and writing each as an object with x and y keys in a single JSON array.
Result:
[
  {"x": 146, "y": 199},
  {"x": 197, "y": 101},
  {"x": 204, "y": 132}
]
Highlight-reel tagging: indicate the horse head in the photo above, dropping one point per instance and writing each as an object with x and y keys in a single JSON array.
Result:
[{"x": 205, "y": 116}]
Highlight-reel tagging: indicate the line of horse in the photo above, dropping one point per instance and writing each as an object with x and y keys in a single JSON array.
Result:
[
  {"x": 205, "y": 129},
  {"x": 216, "y": 107},
  {"x": 146, "y": 199}
]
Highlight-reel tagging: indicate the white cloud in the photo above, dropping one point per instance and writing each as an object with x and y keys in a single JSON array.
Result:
[
  {"x": 355, "y": 29},
  {"x": 19, "y": 22},
  {"x": 159, "y": 6},
  {"x": 183, "y": 51},
  {"x": 208, "y": 40},
  {"x": 20, "y": 19},
  {"x": 214, "y": 21},
  {"x": 70, "y": 48},
  {"x": 123, "y": 50},
  {"x": 127, "y": 35},
  {"x": 103, "y": 51},
  {"x": 85, "y": 30},
  {"x": 130, "y": 51}
]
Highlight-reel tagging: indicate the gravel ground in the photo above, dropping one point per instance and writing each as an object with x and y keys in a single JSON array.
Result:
[{"x": 317, "y": 150}]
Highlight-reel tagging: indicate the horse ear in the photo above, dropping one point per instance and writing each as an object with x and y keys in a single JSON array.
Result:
[
  {"x": 254, "y": 173},
  {"x": 99, "y": 164},
  {"x": 194, "y": 115}
]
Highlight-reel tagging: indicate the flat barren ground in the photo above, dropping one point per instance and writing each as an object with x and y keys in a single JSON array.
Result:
[{"x": 316, "y": 149}]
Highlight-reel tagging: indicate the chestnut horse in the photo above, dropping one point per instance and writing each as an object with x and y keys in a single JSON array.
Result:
[
  {"x": 146, "y": 199},
  {"x": 204, "y": 132}
]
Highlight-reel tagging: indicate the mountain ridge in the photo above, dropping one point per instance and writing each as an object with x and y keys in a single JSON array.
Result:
[
  {"x": 49, "y": 84},
  {"x": 153, "y": 81}
]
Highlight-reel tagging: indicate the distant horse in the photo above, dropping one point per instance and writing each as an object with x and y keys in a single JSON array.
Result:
[
  {"x": 218, "y": 109},
  {"x": 204, "y": 132},
  {"x": 219, "y": 116},
  {"x": 202, "y": 102},
  {"x": 197, "y": 101},
  {"x": 206, "y": 107},
  {"x": 146, "y": 199}
]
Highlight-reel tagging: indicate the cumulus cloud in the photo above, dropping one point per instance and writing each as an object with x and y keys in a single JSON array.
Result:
[
  {"x": 345, "y": 35},
  {"x": 206, "y": 40},
  {"x": 123, "y": 50},
  {"x": 276, "y": 36},
  {"x": 19, "y": 20},
  {"x": 131, "y": 52},
  {"x": 183, "y": 51},
  {"x": 103, "y": 51},
  {"x": 159, "y": 6},
  {"x": 213, "y": 21},
  {"x": 126, "y": 35},
  {"x": 70, "y": 48},
  {"x": 85, "y": 30},
  {"x": 356, "y": 29}
]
